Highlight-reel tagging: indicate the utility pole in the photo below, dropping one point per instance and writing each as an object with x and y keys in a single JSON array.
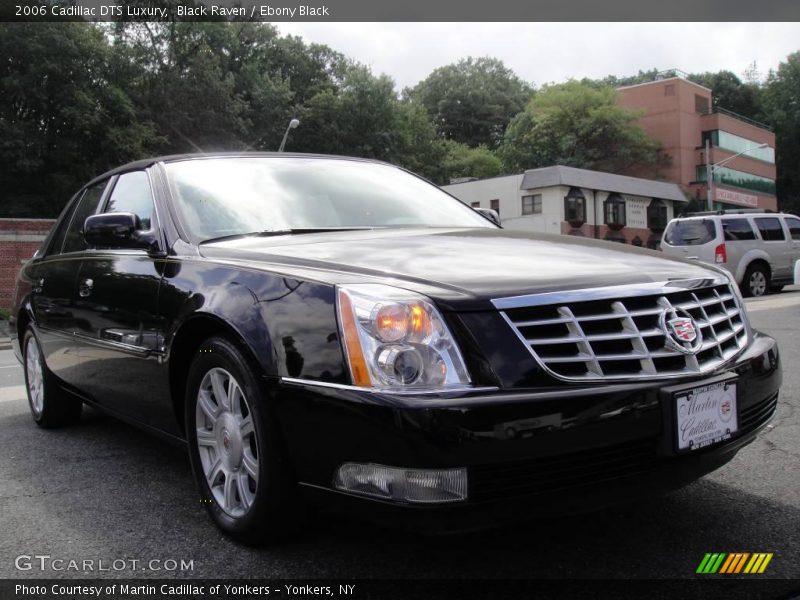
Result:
[{"x": 709, "y": 177}]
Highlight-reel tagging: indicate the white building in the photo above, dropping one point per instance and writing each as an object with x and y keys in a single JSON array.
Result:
[{"x": 577, "y": 202}]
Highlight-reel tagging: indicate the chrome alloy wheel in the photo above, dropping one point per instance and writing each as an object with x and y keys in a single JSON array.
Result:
[
  {"x": 34, "y": 376},
  {"x": 758, "y": 283},
  {"x": 226, "y": 442}
]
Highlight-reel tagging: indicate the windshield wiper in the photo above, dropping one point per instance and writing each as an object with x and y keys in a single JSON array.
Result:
[{"x": 276, "y": 232}]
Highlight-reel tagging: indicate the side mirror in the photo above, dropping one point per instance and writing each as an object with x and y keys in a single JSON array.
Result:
[
  {"x": 117, "y": 230},
  {"x": 490, "y": 214}
]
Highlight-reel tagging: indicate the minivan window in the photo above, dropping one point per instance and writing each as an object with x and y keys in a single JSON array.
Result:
[
  {"x": 87, "y": 206},
  {"x": 737, "y": 230},
  {"x": 690, "y": 232},
  {"x": 793, "y": 223},
  {"x": 770, "y": 229}
]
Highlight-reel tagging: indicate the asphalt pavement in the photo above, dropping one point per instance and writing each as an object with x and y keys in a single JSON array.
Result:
[{"x": 104, "y": 491}]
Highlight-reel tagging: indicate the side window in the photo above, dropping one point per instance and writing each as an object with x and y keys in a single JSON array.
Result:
[
  {"x": 770, "y": 229},
  {"x": 132, "y": 194},
  {"x": 737, "y": 230},
  {"x": 60, "y": 232},
  {"x": 86, "y": 207},
  {"x": 793, "y": 224}
]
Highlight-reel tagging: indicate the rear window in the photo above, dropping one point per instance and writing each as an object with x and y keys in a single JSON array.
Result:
[
  {"x": 770, "y": 229},
  {"x": 690, "y": 232},
  {"x": 737, "y": 230}
]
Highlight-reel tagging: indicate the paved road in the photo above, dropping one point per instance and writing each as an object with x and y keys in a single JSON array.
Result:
[{"x": 103, "y": 490}]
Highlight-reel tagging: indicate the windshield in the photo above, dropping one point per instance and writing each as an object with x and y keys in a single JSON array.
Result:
[
  {"x": 690, "y": 232},
  {"x": 221, "y": 197}
]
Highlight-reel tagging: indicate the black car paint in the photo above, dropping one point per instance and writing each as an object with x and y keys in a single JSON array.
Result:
[{"x": 276, "y": 296}]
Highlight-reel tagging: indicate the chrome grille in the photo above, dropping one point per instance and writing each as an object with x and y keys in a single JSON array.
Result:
[{"x": 614, "y": 335}]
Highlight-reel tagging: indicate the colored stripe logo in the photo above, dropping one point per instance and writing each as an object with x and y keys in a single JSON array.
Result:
[{"x": 734, "y": 563}]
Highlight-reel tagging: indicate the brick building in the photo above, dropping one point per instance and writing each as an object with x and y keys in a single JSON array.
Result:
[
  {"x": 682, "y": 116},
  {"x": 19, "y": 239}
]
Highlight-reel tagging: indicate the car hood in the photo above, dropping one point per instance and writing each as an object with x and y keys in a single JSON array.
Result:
[{"x": 457, "y": 266}]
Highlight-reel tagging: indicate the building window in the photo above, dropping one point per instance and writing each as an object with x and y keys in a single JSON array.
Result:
[
  {"x": 532, "y": 205},
  {"x": 475, "y": 204},
  {"x": 614, "y": 209},
  {"x": 656, "y": 215},
  {"x": 495, "y": 206},
  {"x": 736, "y": 144},
  {"x": 740, "y": 179},
  {"x": 669, "y": 89},
  {"x": 700, "y": 104},
  {"x": 575, "y": 207}
]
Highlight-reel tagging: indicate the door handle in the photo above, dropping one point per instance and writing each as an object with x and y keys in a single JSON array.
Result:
[{"x": 85, "y": 288}]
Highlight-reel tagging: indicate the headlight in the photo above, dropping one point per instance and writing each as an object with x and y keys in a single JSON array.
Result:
[{"x": 395, "y": 339}]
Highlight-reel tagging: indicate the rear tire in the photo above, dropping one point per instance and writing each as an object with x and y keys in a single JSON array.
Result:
[
  {"x": 236, "y": 449},
  {"x": 756, "y": 281},
  {"x": 50, "y": 405}
]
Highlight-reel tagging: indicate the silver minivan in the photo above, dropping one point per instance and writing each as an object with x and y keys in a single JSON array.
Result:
[{"x": 759, "y": 248}]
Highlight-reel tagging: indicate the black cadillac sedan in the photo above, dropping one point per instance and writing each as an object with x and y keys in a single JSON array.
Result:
[{"x": 339, "y": 332}]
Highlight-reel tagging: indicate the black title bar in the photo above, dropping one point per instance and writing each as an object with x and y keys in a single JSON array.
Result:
[{"x": 404, "y": 10}]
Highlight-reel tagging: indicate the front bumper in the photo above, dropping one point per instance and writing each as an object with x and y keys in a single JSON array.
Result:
[{"x": 527, "y": 452}]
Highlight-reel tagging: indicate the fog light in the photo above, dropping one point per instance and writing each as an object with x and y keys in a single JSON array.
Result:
[{"x": 403, "y": 485}]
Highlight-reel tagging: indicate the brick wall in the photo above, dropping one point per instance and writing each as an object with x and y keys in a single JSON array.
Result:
[{"x": 19, "y": 239}]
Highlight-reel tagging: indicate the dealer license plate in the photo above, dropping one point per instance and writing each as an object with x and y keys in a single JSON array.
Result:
[{"x": 706, "y": 415}]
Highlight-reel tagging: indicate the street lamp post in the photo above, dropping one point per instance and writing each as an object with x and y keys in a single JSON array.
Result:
[
  {"x": 710, "y": 168},
  {"x": 292, "y": 125}
]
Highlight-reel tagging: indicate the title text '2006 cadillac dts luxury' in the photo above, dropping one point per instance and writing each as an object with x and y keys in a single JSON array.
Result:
[{"x": 338, "y": 331}]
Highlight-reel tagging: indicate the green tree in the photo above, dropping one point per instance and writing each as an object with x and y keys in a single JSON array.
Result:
[
  {"x": 578, "y": 125},
  {"x": 357, "y": 119},
  {"x": 417, "y": 147},
  {"x": 472, "y": 101},
  {"x": 730, "y": 93},
  {"x": 640, "y": 77},
  {"x": 207, "y": 86},
  {"x": 64, "y": 114},
  {"x": 460, "y": 160},
  {"x": 782, "y": 109}
]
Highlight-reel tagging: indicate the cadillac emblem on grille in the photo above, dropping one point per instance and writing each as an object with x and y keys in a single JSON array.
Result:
[{"x": 682, "y": 333}]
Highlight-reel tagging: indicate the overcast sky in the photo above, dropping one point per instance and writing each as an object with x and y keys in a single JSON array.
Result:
[{"x": 553, "y": 52}]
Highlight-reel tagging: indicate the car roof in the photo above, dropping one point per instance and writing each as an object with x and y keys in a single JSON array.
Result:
[
  {"x": 736, "y": 215},
  {"x": 148, "y": 162}
]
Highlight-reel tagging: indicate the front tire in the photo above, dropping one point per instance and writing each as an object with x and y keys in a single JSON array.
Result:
[
  {"x": 237, "y": 454},
  {"x": 756, "y": 281},
  {"x": 50, "y": 405}
]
